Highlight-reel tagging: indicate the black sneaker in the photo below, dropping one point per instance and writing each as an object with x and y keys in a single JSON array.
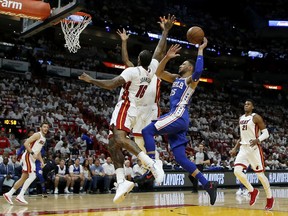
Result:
[
  {"x": 44, "y": 194},
  {"x": 211, "y": 189}
]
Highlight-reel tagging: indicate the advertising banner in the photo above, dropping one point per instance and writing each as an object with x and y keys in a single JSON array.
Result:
[
  {"x": 16, "y": 66},
  {"x": 58, "y": 71},
  {"x": 178, "y": 179}
]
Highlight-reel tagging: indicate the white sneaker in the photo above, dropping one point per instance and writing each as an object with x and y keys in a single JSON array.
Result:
[
  {"x": 8, "y": 198},
  {"x": 157, "y": 170},
  {"x": 21, "y": 200},
  {"x": 122, "y": 190},
  {"x": 66, "y": 191},
  {"x": 56, "y": 191},
  {"x": 239, "y": 192}
]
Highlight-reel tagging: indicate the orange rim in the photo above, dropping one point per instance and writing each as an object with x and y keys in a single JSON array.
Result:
[{"x": 79, "y": 13}]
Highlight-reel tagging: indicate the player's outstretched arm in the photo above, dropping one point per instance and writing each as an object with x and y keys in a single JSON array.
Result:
[
  {"x": 167, "y": 25},
  {"x": 160, "y": 72},
  {"x": 124, "y": 53},
  {"x": 106, "y": 84},
  {"x": 199, "y": 66}
]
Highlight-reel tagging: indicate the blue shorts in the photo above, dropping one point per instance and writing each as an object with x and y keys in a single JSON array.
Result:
[{"x": 176, "y": 126}]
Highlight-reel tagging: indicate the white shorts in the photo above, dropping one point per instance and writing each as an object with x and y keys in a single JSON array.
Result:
[
  {"x": 250, "y": 156},
  {"x": 124, "y": 116},
  {"x": 28, "y": 163},
  {"x": 145, "y": 115}
]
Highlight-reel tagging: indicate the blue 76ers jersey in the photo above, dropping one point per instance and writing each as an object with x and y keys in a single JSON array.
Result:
[{"x": 181, "y": 94}]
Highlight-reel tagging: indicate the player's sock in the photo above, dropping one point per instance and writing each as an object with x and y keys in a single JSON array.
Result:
[
  {"x": 148, "y": 135},
  {"x": 11, "y": 192},
  {"x": 27, "y": 183},
  {"x": 120, "y": 175}
]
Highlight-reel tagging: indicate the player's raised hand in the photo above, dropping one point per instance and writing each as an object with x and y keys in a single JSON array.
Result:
[
  {"x": 204, "y": 44},
  {"x": 167, "y": 23},
  {"x": 173, "y": 51},
  {"x": 123, "y": 35},
  {"x": 85, "y": 77}
]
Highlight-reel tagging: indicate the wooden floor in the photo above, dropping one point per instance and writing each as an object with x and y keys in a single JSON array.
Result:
[{"x": 150, "y": 203}]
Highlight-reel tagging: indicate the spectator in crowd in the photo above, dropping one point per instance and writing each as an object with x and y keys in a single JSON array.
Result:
[
  {"x": 128, "y": 170},
  {"x": 97, "y": 176},
  {"x": 14, "y": 144},
  {"x": 59, "y": 145},
  {"x": 89, "y": 142},
  {"x": 62, "y": 175},
  {"x": 109, "y": 171},
  {"x": 4, "y": 143},
  {"x": 102, "y": 158},
  {"x": 7, "y": 174},
  {"x": 76, "y": 174},
  {"x": 87, "y": 176},
  {"x": 201, "y": 160}
]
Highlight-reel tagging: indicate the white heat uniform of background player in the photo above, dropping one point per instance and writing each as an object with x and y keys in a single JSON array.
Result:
[
  {"x": 249, "y": 155},
  {"x": 132, "y": 96},
  {"x": 27, "y": 159}
]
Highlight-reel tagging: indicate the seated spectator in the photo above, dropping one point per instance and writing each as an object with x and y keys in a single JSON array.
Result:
[
  {"x": 102, "y": 158},
  {"x": 65, "y": 149},
  {"x": 88, "y": 177},
  {"x": 110, "y": 174},
  {"x": 14, "y": 144},
  {"x": 97, "y": 175},
  {"x": 62, "y": 175},
  {"x": 128, "y": 170},
  {"x": 76, "y": 174},
  {"x": 7, "y": 174}
]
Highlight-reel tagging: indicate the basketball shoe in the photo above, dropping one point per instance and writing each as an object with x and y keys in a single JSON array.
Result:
[
  {"x": 211, "y": 188},
  {"x": 270, "y": 203},
  {"x": 8, "y": 198},
  {"x": 157, "y": 170},
  {"x": 122, "y": 190},
  {"x": 253, "y": 196},
  {"x": 21, "y": 200}
]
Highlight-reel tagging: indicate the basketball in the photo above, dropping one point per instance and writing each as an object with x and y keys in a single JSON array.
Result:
[{"x": 195, "y": 35}]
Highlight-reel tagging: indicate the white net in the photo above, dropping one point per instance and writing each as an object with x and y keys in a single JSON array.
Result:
[{"x": 72, "y": 27}]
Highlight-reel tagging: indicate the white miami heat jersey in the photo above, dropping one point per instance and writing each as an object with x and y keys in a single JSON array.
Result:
[
  {"x": 248, "y": 129},
  {"x": 37, "y": 145},
  {"x": 152, "y": 93},
  {"x": 137, "y": 81}
]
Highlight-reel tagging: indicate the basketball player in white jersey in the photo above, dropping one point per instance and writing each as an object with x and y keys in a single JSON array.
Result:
[
  {"x": 250, "y": 152},
  {"x": 33, "y": 147},
  {"x": 149, "y": 110},
  {"x": 134, "y": 82}
]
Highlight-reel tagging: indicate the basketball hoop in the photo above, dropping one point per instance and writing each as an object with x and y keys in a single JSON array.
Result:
[{"x": 72, "y": 27}]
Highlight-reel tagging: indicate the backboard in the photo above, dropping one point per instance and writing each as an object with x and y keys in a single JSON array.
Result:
[{"x": 31, "y": 27}]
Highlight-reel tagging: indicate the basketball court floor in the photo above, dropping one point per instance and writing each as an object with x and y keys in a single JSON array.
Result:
[{"x": 150, "y": 204}]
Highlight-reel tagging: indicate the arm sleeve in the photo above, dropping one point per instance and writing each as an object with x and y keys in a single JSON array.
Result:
[
  {"x": 198, "y": 68},
  {"x": 264, "y": 135}
]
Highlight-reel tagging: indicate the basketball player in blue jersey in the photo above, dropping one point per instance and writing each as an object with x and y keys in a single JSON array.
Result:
[{"x": 176, "y": 122}]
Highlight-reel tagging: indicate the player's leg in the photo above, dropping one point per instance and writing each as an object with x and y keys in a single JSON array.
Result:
[
  {"x": 56, "y": 183},
  {"x": 16, "y": 186},
  {"x": 257, "y": 163},
  {"x": 181, "y": 158},
  {"x": 39, "y": 174},
  {"x": 25, "y": 168},
  {"x": 31, "y": 169},
  {"x": 242, "y": 162}
]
